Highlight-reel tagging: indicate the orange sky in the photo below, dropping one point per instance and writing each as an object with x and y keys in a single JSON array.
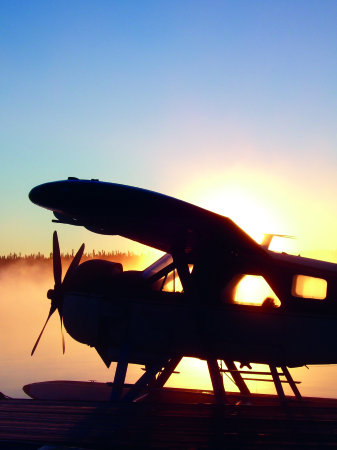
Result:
[{"x": 262, "y": 202}]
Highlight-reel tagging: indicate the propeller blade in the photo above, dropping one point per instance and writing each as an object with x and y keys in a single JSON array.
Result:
[
  {"x": 56, "y": 294},
  {"x": 74, "y": 263},
  {"x": 51, "y": 312},
  {"x": 57, "y": 265},
  {"x": 62, "y": 334}
]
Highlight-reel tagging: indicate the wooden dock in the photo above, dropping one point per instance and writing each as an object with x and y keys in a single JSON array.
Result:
[{"x": 262, "y": 424}]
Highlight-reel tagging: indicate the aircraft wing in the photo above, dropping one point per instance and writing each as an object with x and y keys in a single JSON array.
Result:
[{"x": 148, "y": 217}]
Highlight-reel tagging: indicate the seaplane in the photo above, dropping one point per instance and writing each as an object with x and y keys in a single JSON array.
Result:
[{"x": 184, "y": 303}]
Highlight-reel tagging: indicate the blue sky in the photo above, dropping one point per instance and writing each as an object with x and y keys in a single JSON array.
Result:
[{"x": 208, "y": 101}]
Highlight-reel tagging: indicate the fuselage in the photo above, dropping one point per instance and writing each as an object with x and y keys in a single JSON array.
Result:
[
  {"x": 167, "y": 326},
  {"x": 133, "y": 307}
]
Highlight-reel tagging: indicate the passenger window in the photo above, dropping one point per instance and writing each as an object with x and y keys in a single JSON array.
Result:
[
  {"x": 309, "y": 287},
  {"x": 254, "y": 290}
]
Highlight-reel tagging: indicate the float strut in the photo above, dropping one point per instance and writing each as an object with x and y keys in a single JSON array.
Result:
[
  {"x": 277, "y": 382},
  {"x": 217, "y": 381},
  {"x": 291, "y": 382},
  {"x": 120, "y": 374},
  {"x": 237, "y": 377},
  {"x": 166, "y": 373},
  {"x": 143, "y": 382}
]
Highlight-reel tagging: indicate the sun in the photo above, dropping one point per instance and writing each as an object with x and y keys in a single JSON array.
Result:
[{"x": 251, "y": 212}]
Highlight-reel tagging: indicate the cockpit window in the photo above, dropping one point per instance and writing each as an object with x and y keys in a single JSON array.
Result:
[
  {"x": 158, "y": 265},
  {"x": 309, "y": 287},
  {"x": 163, "y": 276},
  {"x": 169, "y": 283}
]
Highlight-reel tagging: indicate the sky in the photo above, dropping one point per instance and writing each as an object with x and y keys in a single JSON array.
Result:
[{"x": 229, "y": 105}]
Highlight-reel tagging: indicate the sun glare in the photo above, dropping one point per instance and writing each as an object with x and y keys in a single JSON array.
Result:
[
  {"x": 260, "y": 202},
  {"x": 242, "y": 200}
]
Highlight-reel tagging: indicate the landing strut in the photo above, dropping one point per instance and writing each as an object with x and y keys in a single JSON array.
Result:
[{"x": 157, "y": 374}]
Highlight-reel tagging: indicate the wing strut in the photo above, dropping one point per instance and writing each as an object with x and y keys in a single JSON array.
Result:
[{"x": 183, "y": 272}]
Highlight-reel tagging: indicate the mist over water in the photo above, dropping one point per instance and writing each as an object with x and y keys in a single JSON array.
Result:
[{"x": 23, "y": 310}]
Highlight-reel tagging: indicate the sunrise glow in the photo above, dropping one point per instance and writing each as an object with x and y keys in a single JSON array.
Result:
[{"x": 260, "y": 203}]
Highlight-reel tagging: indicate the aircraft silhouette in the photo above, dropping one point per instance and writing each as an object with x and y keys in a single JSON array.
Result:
[{"x": 184, "y": 304}]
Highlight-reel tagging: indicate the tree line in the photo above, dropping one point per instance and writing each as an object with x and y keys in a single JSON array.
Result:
[{"x": 127, "y": 258}]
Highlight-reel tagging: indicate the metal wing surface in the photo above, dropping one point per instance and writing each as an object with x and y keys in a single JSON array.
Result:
[{"x": 148, "y": 217}]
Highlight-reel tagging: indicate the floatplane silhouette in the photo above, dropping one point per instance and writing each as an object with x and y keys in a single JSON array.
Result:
[{"x": 184, "y": 304}]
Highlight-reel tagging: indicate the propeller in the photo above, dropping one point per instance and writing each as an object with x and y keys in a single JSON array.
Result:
[{"x": 56, "y": 294}]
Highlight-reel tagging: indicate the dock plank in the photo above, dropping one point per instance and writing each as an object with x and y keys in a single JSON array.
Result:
[{"x": 262, "y": 424}]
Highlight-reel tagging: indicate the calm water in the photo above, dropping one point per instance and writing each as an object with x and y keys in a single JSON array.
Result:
[{"x": 23, "y": 310}]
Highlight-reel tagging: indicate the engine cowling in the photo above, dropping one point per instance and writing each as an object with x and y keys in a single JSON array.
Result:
[
  {"x": 95, "y": 276},
  {"x": 93, "y": 300}
]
